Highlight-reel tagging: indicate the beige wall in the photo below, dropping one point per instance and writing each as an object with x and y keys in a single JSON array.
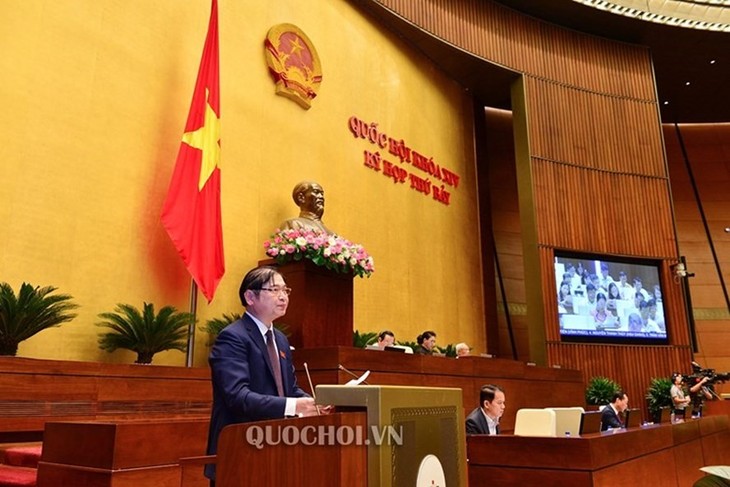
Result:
[{"x": 95, "y": 96}]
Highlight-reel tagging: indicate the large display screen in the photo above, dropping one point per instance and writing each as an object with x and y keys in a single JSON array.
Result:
[{"x": 609, "y": 299}]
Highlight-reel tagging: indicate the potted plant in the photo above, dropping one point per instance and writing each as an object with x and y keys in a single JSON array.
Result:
[
  {"x": 33, "y": 310},
  {"x": 146, "y": 333},
  {"x": 215, "y": 325},
  {"x": 448, "y": 350},
  {"x": 363, "y": 340},
  {"x": 658, "y": 396},
  {"x": 600, "y": 390}
]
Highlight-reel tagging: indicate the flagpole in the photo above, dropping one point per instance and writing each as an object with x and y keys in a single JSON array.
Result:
[{"x": 191, "y": 327}]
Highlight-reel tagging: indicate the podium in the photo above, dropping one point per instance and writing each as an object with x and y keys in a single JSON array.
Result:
[
  {"x": 293, "y": 453},
  {"x": 416, "y": 435},
  {"x": 387, "y": 436},
  {"x": 320, "y": 306}
]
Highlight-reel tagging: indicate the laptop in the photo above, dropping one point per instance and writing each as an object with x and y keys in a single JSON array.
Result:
[
  {"x": 666, "y": 415},
  {"x": 590, "y": 422},
  {"x": 632, "y": 418}
]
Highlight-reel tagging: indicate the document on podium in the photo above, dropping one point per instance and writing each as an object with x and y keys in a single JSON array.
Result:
[
  {"x": 359, "y": 380},
  {"x": 722, "y": 471}
]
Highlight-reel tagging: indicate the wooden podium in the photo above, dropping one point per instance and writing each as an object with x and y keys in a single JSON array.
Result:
[
  {"x": 389, "y": 436},
  {"x": 293, "y": 453},
  {"x": 320, "y": 306},
  {"x": 411, "y": 431}
]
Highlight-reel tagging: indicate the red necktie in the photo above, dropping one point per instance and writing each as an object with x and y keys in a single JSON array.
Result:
[{"x": 274, "y": 362}]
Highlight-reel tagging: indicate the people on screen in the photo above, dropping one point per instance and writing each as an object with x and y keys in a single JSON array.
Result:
[
  {"x": 426, "y": 343},
  {"x": 462, "y": 350},
  {"x": 635, "y": 323},
  {"x": 613, "y": 297},
  {"x": 591, "y": 292},
  {"x": 602, "y": 317},
  {"x": 610, "y": 416},
  {"x": 649, "y": 325},
  {"x": 626, "y": 289},
  {"x": 484, "y": 420},
  {"x": 639, "y": 288},
  {"x": 251, "y": 363},
  {"x": 579, "y": 306},
  {"x": 658, "y": 319},
  {"x": 386, "y": 338},
  {"x": 565, "y": 299},
  {"x": 605, "y": 278}
]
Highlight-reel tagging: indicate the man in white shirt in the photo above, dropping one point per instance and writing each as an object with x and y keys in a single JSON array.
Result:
[{"x": 484, "y": 420}]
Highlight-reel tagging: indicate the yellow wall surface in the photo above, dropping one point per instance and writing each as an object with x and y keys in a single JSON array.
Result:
[{"x": 95, "y": 96}]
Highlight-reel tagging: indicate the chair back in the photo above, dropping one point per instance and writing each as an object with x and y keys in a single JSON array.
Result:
[
  {"x": 567, "y": 420},
  {"x": 535, "y": 422}
]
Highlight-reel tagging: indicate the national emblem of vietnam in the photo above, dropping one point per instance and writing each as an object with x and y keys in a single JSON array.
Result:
[{"x": 293, "y": 63}]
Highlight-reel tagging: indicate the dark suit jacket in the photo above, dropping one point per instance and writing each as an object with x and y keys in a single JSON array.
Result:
[
  {"x": 609, "y": 419},
  {"x": 476, "y": 423},
  {"x": 244, "y": 389}
]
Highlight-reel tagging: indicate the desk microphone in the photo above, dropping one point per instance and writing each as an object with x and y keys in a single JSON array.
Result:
[
  {"x": 311, "y": 387},
  {"x": 342, "y": 368}
]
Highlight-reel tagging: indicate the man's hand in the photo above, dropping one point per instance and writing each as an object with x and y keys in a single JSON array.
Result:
[{"x": 306, "y": 407}]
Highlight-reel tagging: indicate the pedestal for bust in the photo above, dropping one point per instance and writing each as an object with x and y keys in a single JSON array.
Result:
[{"x": 320, "y": 305}]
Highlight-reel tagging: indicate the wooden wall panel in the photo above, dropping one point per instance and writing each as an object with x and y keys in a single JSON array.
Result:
[
  {"x": 629, "y": 366},
  {"x": 707, "y": 149},
  {"x": 590, "y": 168}
]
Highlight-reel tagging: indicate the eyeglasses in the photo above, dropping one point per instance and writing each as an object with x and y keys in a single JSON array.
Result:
[{"x": 277, "y": 290}]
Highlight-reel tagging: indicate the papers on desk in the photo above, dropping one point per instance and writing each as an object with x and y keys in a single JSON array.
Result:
[
  {"x": 359, "y": 380},
  {"x": 722, "y": 471}
]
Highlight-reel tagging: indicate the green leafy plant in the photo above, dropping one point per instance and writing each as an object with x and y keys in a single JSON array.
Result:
[
  {"x": 449, "y": 350},
  {"x": 215, "y": 325},
  {"x": 600, "y": 390},
  {"x": 33, "y": 310},
  {"x": 146, "y": 333},
  {"x": 363, "y": 340},
  {"x": 658, "y": 395}
]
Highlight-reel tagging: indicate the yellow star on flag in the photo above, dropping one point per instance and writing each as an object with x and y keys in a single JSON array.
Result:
[{"x": 206, "y": 139}]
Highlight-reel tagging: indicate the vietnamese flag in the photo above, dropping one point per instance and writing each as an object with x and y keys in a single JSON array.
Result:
[{"x": 192, "y": 210}]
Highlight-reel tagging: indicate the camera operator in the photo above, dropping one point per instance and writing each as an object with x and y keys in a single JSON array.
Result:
[{"x": 699, "y": 392}]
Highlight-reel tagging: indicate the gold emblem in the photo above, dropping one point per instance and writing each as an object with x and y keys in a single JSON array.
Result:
[{"x": 293, "y": 63}]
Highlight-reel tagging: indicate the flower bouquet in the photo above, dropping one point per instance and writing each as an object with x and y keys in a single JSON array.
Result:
[{"x": 331, "y": 251}]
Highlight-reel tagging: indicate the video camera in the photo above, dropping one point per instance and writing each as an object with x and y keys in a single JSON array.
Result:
[{"x": 698, "y": 373}]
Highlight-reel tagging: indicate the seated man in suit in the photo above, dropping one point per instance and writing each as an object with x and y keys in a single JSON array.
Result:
[
  {"x": 610, "y": 416},
  {"x": 386, "y": 338},
  {"x": 484, "y": 420},
  {"x": 251, "y": 363}
]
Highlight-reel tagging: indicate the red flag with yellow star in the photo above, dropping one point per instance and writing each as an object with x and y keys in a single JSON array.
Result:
[{"x": 192, "y": 210}]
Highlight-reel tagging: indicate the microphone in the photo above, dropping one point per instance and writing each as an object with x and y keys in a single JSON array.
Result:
[
  {"x": 311, "y": 387},
  {"x": 342, "y": 368}
]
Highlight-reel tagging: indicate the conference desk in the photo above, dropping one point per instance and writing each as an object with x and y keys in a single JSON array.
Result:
[{"x": 666, "y": 455}]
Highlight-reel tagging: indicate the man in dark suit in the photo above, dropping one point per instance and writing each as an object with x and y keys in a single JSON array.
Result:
[
  {"x": 251, "y": 363},
  {"x": 484, "y": 420},
  {"x": 610, "y": 415}
]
